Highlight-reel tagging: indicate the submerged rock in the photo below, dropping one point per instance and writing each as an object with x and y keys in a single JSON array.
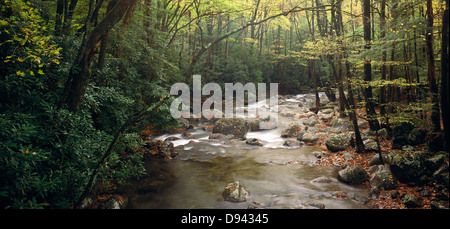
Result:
[
  {"x": 234, "y": 192},
  {"x": 254, "y": 141},
  {"x": 293, "y": 143}
]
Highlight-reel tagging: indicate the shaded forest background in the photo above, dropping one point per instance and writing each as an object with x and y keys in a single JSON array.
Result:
[{"x": 80, "y": 79}]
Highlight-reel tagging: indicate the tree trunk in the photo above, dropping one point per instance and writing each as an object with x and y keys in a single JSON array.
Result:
[
  {"x": 351, "y": 100},
  {"x": 68, "y": 17},
  {"x": 435, "y": 113},
  {"x": 384, "y": 117},
  {"x": 80, "y": 73},
  {"x": 445, "y": 76},
  {"x": 59, "y": 17},
  {"x": 370, "y": 107}
]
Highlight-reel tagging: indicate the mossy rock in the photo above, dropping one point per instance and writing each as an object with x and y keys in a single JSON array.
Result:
[
  {"x": 338, "y": 142},
  {"x": 235, "y": 126}
]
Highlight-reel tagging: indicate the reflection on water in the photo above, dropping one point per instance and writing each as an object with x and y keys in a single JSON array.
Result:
[{"x": 276, "y": 176}]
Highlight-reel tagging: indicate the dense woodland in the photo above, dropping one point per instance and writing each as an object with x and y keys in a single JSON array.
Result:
[{"x": 80, "y": 79}]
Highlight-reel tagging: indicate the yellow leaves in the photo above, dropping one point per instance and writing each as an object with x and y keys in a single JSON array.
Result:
[
  {"x": 20, "y": 73},
  {"x": 27, "y": 151},
  {"x": 3, "y": 22}
]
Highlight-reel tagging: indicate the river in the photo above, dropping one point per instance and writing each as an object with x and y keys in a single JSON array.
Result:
[{"x": 276, "y": 176}]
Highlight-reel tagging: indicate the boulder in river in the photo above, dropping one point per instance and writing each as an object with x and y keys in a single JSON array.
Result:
[
  {"x": 254, "y": 142},
  {"x": 291, "y": 131},
  {"x": 235, "y": 126},
  {"x": 234, "y": 192},
  {"x": 293, "y": 143},
  {"x": 262, "y": 123}
]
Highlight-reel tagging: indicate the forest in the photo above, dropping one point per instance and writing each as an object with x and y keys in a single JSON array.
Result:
[{"x": 85, "y": 84}]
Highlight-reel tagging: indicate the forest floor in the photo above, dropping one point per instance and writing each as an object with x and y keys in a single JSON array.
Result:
[{"x": 383, "y": 199}]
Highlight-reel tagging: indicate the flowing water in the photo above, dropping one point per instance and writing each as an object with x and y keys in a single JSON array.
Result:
[{"x": 275, "y": 175}]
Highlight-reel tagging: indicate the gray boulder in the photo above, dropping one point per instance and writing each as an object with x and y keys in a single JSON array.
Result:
[
  {"x": 234, "y": 192},
  {"x": 262, "y": 124},
  {"x": 291, "y": 131},
  {"x": 435, "y": 162},
  {"x": 235, "y": 126},
  {"x": 341, "y": 124},
  {"x": 441, "y": 176},
  {"x": 353, "y": 175},
  {"x": 410, "y": 201},
  {"x": 408, "y": 166},
  {"x": 293, "y": 143},
  {"x": 311, "y": 121},
  {"x": 338, "y": 142},
  {"x": 371, "y": 145},
  {"x": 254, "y": 142},
  {"x": 383, "y": 179},
  {"x": 309, "y": 138}
]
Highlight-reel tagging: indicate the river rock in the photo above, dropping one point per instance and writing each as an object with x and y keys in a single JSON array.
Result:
[
  {"x": 370, "y": 145},
  {"x": 325, "y": 116},
  {"x": 435, "y": 162},
  {"x": 376, "y": 159},
  {"x": 383, "y": 179},
  {"x": 235, "y": 126},
  {"x": 338, "y": 142},
  {"x": 341, "y": 125},
  {"x": 234, "y": 192},
  {"x": 254, "y": 142},
  {"x": 408, "y": 166},
  {"x": 159, "y": 149},
  {"x": 291, "y": 131},
  {"x": 321, "y": 180},
  {"x": 211, "y": 115},
  {"x": 293, "y": 143},
  {"x": 309, "y": 138},
  {"x": 311, "y": 121},
  {"x": 441, "y": 176},
  {"x": 184, "y": 124},
  {"x": 262, "y": 124},
  {"x": 220, "y": 136},
  {"x": 353, "y": 175},
  {"x": 410, "y": 201}
]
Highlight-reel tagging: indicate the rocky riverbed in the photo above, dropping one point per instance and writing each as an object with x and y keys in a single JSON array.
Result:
[{"x": 303, "y": 160}]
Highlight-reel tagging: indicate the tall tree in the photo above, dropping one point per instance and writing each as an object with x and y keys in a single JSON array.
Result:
[
  {"x": 370, "y": 107},
  {"x": 384, "y": 118},
  {"x": 445, "y": 76},
  {"x": 435, "y": 113},
  {"x": 80, "y": 73}
]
